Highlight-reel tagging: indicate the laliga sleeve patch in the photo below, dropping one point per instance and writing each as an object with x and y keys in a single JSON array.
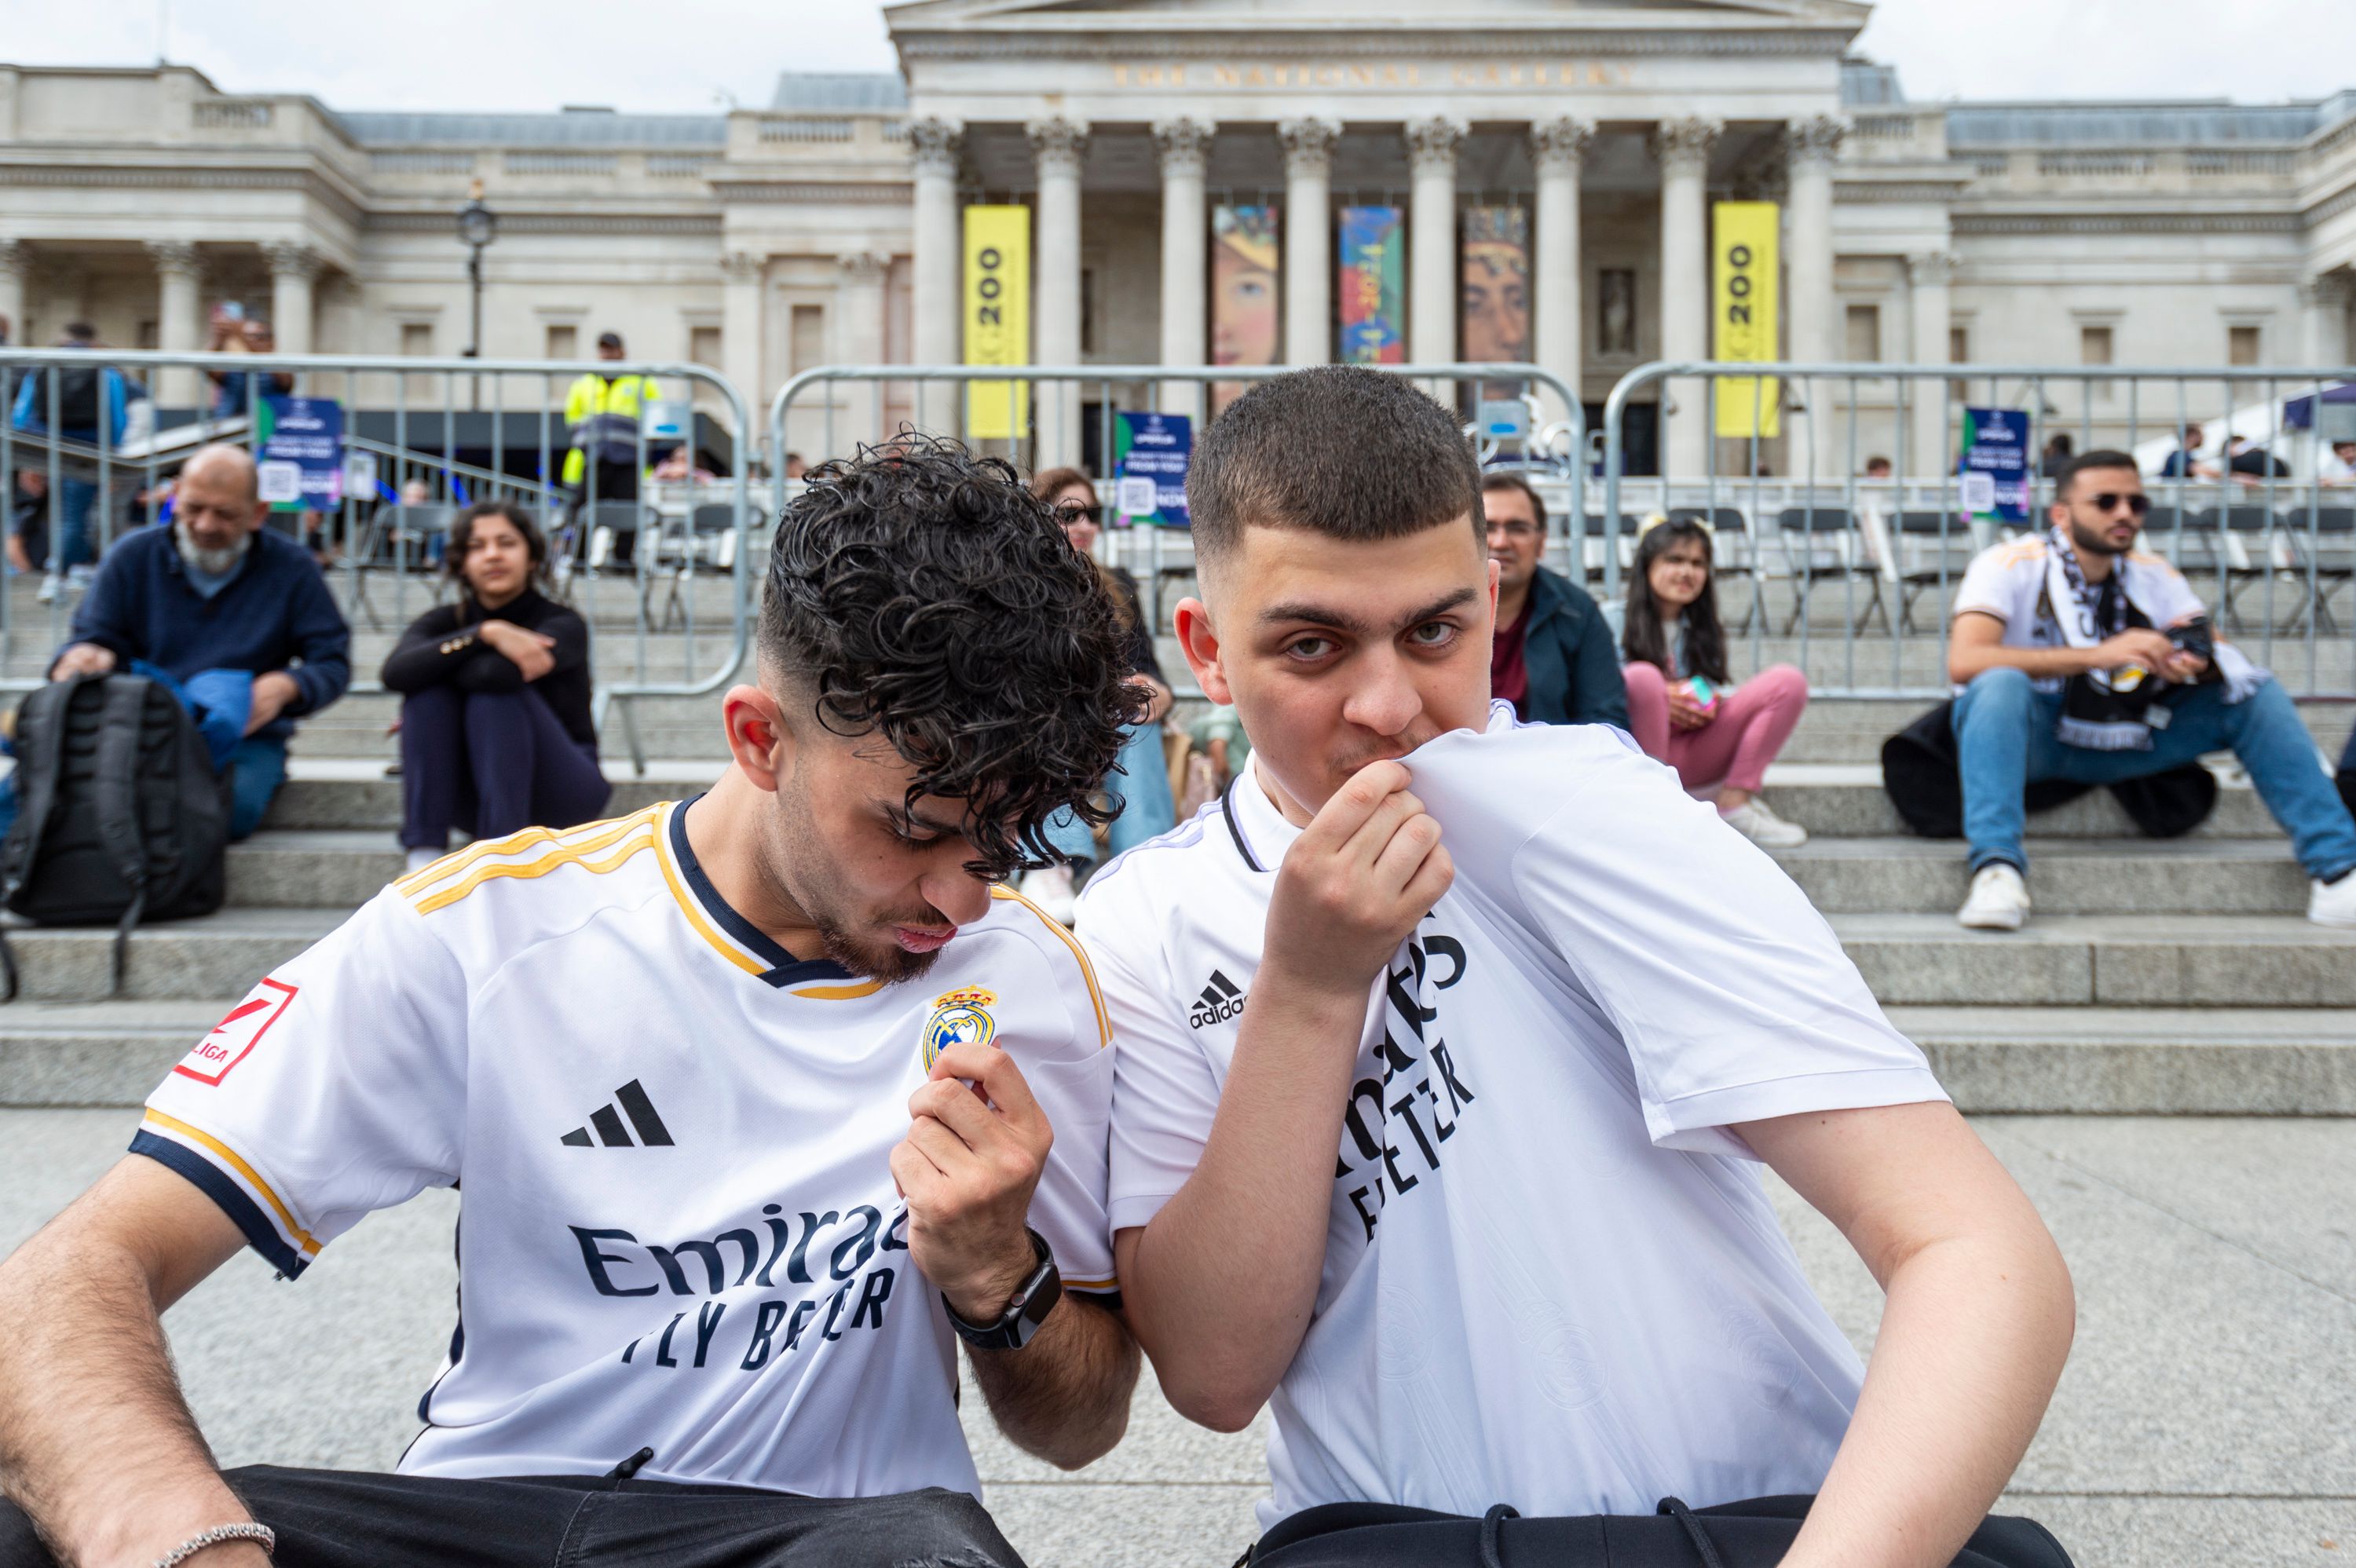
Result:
[{"x": 235, "y": 1036}]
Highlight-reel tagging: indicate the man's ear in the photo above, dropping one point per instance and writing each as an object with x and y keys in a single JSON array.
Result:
[
  {"x": 1199, "y": 641},
  {"x": 757, "y": 737}
]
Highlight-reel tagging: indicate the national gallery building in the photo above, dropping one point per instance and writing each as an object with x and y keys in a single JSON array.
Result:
[{"x": 1216, "y": 181}]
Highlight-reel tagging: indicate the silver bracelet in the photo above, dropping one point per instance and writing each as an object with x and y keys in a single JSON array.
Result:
[{"x": 214, "y": 1537}]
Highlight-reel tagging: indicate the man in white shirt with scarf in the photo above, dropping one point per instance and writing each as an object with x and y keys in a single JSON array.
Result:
[{"x": 2079, "y": 656}]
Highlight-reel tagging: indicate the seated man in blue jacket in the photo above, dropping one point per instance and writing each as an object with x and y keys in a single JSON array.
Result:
[
  {"x": 215, "y": 591},
  {"x": 1555, "y": 658}
]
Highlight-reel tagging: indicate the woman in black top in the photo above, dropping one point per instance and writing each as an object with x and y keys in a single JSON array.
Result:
[{"x": 495, "y": 732}]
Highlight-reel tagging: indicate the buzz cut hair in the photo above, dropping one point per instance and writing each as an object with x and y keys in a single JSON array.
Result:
[{"x": 1340, "y": 450}]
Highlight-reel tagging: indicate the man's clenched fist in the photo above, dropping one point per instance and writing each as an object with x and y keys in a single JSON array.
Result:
[{"x": 968, "y": 1166}]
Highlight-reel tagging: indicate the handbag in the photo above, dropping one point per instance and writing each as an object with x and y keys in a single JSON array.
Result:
[{"x": 1756, "y": 1533}]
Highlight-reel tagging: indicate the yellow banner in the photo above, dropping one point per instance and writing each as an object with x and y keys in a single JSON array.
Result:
[
  {"x": 1745, "y": 284},
  {"x": 997, "y": 318}
]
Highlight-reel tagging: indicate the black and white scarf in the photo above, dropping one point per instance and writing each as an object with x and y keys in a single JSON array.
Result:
[{"x": 2116, "y": 711}]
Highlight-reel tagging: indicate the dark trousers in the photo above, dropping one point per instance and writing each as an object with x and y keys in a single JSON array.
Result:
[
  {"x": 490, "y": 763},
  {"x": 330, "y": 1519}
]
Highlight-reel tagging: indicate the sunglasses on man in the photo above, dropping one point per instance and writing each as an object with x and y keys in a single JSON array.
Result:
[{"x": 2110, "y": 501}]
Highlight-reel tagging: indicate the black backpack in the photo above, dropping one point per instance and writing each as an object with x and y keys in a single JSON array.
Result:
[
  {"x": 77, "y": 399},
  {"x": 120, "y": 817}
]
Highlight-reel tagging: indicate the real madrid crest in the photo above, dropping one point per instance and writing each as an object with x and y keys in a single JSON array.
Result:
[{"x": 961, "y": 1018}]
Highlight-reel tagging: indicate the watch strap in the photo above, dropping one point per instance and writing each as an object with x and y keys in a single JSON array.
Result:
[{"x": 1032, "y": 1300}]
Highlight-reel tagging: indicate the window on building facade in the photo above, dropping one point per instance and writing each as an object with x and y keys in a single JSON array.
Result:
[
  {"x": 2095, "y": 347},
  {"x": 1864, "y": 334},
  {"x": 150, "y": 335},
  {"x": 704, "y": 345},
  {"x": 417, "y": 343},
  {"x": 1087, "y": 310},
  {"x": 1959, "y": 352},
  {"x": 808, "y": 344},
  {"x": 563, "y": 340},
  {"x": 2242, "y": 346}
]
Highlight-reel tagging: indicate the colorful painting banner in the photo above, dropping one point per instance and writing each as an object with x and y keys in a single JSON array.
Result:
[
  {"x": 997, "y": 318},
  {"x": 1745, "y": 269},
  {"x": 1496, "y": 284},
  {"x": 1245, "y": 326},
  {"x": 1373, "y": 286}
]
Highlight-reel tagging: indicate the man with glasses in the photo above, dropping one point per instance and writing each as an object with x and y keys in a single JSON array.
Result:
[
  {"x": 1553, "y": 657},
  {"x": 2078, "y": 656}
]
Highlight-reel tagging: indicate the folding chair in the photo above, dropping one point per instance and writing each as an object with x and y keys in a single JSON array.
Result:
[
  {"x": 1819, "y": 543},
  {"x": 1931, "y": 547}
]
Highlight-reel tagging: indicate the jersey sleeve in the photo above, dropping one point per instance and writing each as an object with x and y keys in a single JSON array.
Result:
[
  {"x": 1071, "y": 1079},
  {"x": 1987, "y": 587},
  {"x": 1730, "y": 991},
  {"x": 336, "y": 1087},
  {"x": 1164, "y": 1094}
]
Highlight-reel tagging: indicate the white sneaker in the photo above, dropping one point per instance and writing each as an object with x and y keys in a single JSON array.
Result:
[
  {"x": 79, "y": 577},
  {"x": 1762, "y": 827},
  {"x": 51, "y": 586},
  {"x": 1051, "y": 889},
  {"x": 1999, "y": 900},
  {"x": 2333, "y": 903},
  {"x": 418, "y": 860}
]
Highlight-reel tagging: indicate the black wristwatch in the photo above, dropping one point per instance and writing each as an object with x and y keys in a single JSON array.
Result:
[{"x": 1034, "y": 1299}]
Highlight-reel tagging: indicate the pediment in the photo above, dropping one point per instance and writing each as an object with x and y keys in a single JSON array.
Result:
[{"x": 999, "y": 16}]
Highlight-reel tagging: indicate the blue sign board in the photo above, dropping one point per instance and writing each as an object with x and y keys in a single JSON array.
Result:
[
  {"x": 300, "y": 462},
  {"x": 1995, "y": 465},
  {"x": 1150, "y": 456}
]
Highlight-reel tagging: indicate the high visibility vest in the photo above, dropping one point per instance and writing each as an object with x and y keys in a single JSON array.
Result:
[{"x": 601, "y": 420}]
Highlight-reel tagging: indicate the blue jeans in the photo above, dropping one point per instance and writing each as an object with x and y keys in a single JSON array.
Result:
[
  {"x": 1143, "y": 781},
  {"x": 260, "y": 767},
  {"x": 2005, "y": 741},
  {"x": 70, "y": 544}
]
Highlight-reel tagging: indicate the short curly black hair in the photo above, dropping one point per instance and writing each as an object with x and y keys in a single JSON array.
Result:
[{"x": 921, "y": 592}]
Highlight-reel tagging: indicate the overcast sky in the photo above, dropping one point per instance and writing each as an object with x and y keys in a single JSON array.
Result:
[{"x": 695, "y": 56}]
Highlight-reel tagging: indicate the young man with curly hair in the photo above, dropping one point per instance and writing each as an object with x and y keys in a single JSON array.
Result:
[
  {"x": 1446, "y": 1047},
  {"x": 760, "y": 1101}
]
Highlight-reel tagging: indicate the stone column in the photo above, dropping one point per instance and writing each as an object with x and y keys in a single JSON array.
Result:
[
  {"x": 179, "y": 329},
  {"x": 1059, "y": 144},
  {"x": 1928, "y": 437},
  {"x": 742, "y": 335},
  {"x": 1185, "y": 147},
  {"x": 1558, "y": 153},
  {"x": 294, "y": 269},
  {"x": 2323, "y": 302},
  {"x": 1812, "y": 146},
  {"x": 1308, "y": 240},
  {"x": 16, "y": 263},
  {"x": 1433, "y": 299},
  {"x": 1682, "y": 148},
  {"x": 859, "y": 340},
  {"x": 936, "y": 147}
]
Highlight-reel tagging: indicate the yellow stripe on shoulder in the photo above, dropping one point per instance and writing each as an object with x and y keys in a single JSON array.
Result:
[
  {"x": 236, "y": 1162},
  {"x": 594, "y": 835},
  {"x": 635, "y": 838},
  {"x": 1087, "y": 970},
  {"x": 2030, "y": 547}
]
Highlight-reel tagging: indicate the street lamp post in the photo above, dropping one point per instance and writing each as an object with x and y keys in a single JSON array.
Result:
[{"x": 477, "y": 227}]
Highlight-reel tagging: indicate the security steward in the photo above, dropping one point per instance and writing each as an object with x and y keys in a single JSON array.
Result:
[{"x": 601, "y": 419}]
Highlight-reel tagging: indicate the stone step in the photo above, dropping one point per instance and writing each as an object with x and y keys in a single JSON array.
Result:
[
  {"x": 2112, "y": 960},
  {"x": 2098, "y": 876},
  {"x": 2098, "y": 1060},
  {"x": 356, "y": 793},
  {"x": 2256, "y": 1061},
  {"x": 220, "y": 955},
  {"x": 1845, "y": 800}
]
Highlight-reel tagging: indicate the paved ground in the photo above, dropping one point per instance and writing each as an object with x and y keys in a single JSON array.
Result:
[{"x": 2206, "y": 1417}]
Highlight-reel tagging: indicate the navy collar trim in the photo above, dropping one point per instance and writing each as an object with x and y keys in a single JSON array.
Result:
[{"x": 785, "y": 969}]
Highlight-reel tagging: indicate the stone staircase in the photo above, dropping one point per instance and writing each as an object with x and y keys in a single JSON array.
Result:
[{"x": 2170, "y": 977}]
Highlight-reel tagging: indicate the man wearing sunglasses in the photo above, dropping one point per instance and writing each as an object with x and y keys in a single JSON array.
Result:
[{"x": 2078, "y": 656}]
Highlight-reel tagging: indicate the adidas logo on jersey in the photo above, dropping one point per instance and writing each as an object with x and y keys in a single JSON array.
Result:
[
  {"x": 610, "y": 1131},
  {"x": 1219, "y": 1002}
]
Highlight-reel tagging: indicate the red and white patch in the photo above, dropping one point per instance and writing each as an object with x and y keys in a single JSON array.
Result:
[{"x": 236, "y": 1036}]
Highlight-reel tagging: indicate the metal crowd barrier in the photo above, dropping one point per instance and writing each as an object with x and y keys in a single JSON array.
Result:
[
  {"x": 831, "y": 410},
  {"x": 1811, "y": 552},
  {"x": 423, "y": 438}
]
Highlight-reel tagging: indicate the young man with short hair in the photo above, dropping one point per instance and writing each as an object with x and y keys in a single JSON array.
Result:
[
  {"x": 1432, "y": 1126},
  {"x": 1553, "y": 657},
  {"x": 755, "y": 1098},
  {"x": 2080, "y": 657}
]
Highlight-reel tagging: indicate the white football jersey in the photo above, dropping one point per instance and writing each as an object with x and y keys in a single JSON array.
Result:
[
  {"x": 680, "y": 1228},
  {"x": 1552, "y": 1278}
]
